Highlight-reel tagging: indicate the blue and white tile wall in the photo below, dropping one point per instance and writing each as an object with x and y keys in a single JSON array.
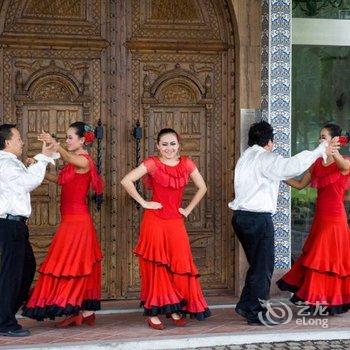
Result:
[{"x": 276, "y": 106}]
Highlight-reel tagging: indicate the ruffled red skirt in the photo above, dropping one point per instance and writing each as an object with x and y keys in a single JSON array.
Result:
[
  {"x": 321, "y": 276},
  {"x": 70, "y": 276},
  {"x": 169, "y": 277}
]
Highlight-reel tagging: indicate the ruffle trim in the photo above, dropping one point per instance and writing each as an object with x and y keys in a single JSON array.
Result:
[
  {"x": 175, "y": 308},
  {"x": 326, "y": 240},
  {"x": 200, "y": 316},
  {"x": 176, "y": 267},
  {"x": 163, "y": 310},
  {"x": 314, "y": 309},
  {"x": 47, "y": 270},
  {"x": 311, "y": 262},
  {"x": 52, "y": 311},
  {"x": 64, "y": 267},
  {"x": 168, "y": 176},
  {"x": 284, "y": 286},
  {"x": 68, "y": 173},
  {"x": 324, "y": 176}
]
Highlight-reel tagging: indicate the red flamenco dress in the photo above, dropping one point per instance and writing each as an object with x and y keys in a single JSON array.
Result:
[
  {"x": 169, "y": 277},
  {"x": 70, "y": 276},
  {"x": 321, "y": 276}
]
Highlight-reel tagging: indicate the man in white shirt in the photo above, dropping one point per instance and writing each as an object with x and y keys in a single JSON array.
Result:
[
  {"x": 17, "y": 262},
  {"x": 257, "y": 177}
]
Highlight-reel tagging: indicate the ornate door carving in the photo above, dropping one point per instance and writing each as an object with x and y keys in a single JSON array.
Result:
[
  {"x": 45, "y": 199},
  {"x": 51, "y": 91},
  {"x": 163, "y": 62},
  {"x": 187, "y": 85},
  {"x": 180, "y": 101},
  {"x": 50, "y": 99}
]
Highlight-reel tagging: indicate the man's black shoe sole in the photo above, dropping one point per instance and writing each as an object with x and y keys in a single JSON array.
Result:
[
  {"x": 259, "y": 323},
  {"x": 14, "y": 334},
  {"x": 241, "y": 312}
]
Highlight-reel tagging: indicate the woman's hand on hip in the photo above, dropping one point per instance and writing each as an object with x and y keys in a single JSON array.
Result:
[
  {"x": 184, "y": 212},
  {"x": 152, "y": 205}
]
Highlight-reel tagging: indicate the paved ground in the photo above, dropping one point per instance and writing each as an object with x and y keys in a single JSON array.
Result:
[
  {"x": 305, "y": 345},
  {"x": 122, "y": 326}
]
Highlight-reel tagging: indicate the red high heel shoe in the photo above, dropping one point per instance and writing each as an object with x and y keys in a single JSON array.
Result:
[
  {"x": 74, "y": 320},
  {"x": 159, "y": 326},
  {"x": 181, "y": 322},
  {"x": 89, "y": 320}
]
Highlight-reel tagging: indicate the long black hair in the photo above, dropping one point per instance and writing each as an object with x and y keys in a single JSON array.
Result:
[
  {"x": 79, "y": 127},
  {"x": 82, "y": 129},
  {"x": 333, "y": 129}
]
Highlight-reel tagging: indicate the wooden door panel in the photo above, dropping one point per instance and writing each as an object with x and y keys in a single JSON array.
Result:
[
  {"x": 150, "y": 63},
  {"x": 187, "y": 124},
  {"x": 46, "y": 198},
  {"x": 187, "y": 97}
]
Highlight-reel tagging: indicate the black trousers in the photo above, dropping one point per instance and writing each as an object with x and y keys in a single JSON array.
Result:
[
  {"x": 17, "y": 269},
  {"x": 255, "y": 232}
]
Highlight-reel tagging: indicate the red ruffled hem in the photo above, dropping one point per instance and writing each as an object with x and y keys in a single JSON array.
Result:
[
  {"x": 318, "y": 288},
  {"x": 160, "y": 287},
  {"x": 165, "y": 242},
  {"x": 327, "y": 247},
  {"x": 74, "y": 250},
  {"x": 63, "y": 291},
  {"x": 321, "y": 276}
]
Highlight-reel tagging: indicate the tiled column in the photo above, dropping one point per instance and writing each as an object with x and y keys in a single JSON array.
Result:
[{"x": 276, "y": 108}]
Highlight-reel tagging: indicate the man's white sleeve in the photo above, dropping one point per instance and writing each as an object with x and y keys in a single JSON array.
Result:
[
  {"x": 275, "y": 167},
  {"x": 21, "y": 179}
]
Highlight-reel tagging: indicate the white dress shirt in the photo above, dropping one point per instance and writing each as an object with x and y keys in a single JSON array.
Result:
[
  {"x": 258, "y": 174},
  {"x": 17, "y": 181}
]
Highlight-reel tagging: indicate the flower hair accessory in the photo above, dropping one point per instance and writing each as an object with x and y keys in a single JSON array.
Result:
[
  {"x": 89, "y": 134},
  {"x": 344, "y": 140}
]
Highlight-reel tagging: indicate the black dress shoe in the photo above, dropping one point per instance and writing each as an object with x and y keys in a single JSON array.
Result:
[
  {"x": 16, "y": 333},
  {"x": 241, "y": 312},
  {"x": 263, "y": 322}
]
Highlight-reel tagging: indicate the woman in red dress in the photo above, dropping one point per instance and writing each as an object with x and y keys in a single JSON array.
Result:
[
  {"x": 321, "y": 276},
  {"x": 169, "y": 277},
  {"x": 70, "y": 276}
]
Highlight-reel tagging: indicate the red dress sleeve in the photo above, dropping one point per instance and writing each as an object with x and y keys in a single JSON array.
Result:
[
  {"x": 97, "y": 183},
  {"x": 322, "y": 176},
  {"x": 68, "y": 172},
  {"x": 150, "y": 164},
  {"x": 190, "y": 165},
  {"x": 151, "y": 167}
]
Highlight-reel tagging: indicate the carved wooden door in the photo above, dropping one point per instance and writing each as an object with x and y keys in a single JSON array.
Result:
[
  {"x": 162, "y": 62},
  {"x": 190, "y": 123},
  {"x": 182, "y": 78},
  {"x": 45, "y": 217}
]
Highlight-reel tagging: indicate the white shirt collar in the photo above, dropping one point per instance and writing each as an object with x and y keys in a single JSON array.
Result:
[{"x": 8, "y": 154}]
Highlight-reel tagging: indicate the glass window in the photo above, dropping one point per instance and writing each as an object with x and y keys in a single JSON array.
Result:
[
  {"x": 320, "y": 93},
  {"x": 336, "y": 9}
]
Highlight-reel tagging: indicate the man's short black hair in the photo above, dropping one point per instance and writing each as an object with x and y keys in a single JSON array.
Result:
[
  {"x": 260, "y": 134},
  {"x": 5, "y": 134}
]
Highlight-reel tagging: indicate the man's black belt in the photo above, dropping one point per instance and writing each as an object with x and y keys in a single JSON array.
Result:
[{"x": 16, "y": 218}]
